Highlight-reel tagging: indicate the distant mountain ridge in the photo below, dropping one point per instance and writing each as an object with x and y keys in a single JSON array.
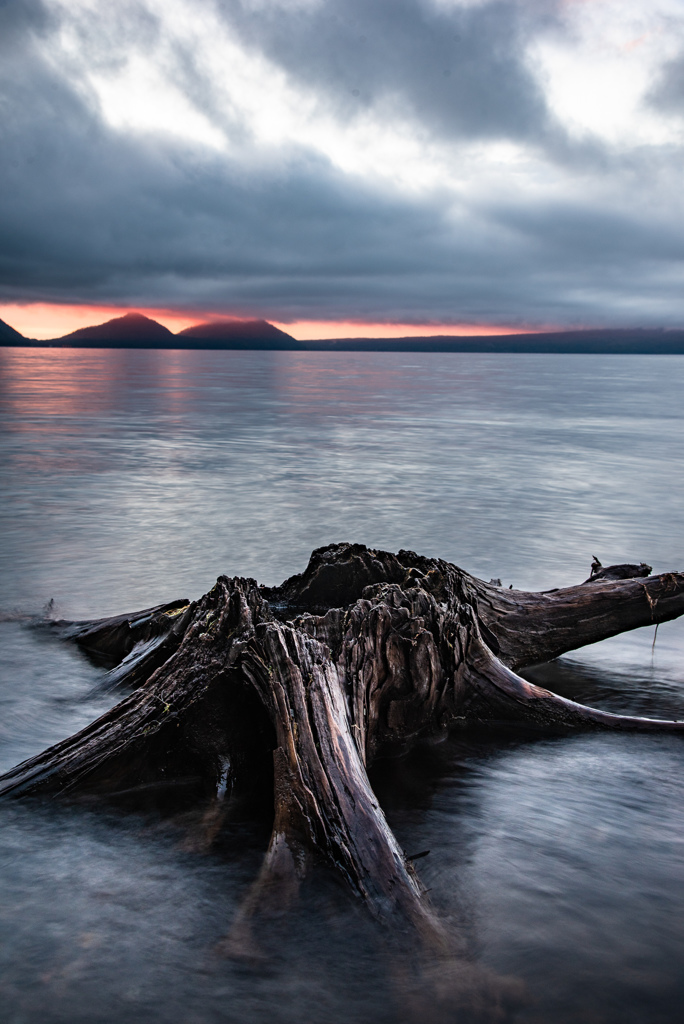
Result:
[
  {"x": 618, "y": 341},
  {"x": 133, "y": 330}
]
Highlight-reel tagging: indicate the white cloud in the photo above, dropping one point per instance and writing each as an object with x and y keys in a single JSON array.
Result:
[
  {"x": 140, "y": 99},
  {"x": 137, "y": 89},
  {"x": 594, "y": 69},
  {"x": 598, "y": 71}
]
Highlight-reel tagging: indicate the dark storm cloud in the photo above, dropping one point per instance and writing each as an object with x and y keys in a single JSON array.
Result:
[
  {"x": 90, "y": 214},
  {"x": 460, "y": 71}
]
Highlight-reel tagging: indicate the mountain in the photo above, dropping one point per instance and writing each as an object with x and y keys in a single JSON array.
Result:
[
  {"x": 8, "y": 336},
  {"x": 130, "y": 331},
  {"x": 243, "y": 334},
  {"x": 137, "y": 331}
]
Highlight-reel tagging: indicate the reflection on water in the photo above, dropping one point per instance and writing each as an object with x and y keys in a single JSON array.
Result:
[
  {"x": 134, "y": 477},
  {"x": 130, "y": 475}
]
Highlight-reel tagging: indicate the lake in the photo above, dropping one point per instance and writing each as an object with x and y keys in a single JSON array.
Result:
[{"x": 134, "y": 477}]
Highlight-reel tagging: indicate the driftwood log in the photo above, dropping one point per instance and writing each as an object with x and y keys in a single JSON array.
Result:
[{"x": 300, "y": 687}]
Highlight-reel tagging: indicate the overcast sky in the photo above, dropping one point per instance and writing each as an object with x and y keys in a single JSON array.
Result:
[{"x": 516, "y": 163}]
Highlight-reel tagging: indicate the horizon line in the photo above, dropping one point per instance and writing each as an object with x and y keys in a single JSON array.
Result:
[{"x": 42, "y": 321}]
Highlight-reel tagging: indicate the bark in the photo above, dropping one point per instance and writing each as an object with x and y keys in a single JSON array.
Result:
[{"x": 298, "y": 688}]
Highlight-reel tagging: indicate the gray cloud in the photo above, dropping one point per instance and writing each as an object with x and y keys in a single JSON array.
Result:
[
  {"x": 460, "y": 71},
  {"x": 667, "y": 93},
  {"x": 89, "y": 214}
]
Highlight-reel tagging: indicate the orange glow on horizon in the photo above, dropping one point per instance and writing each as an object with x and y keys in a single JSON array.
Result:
[
  {"x": 310, "y": 330},
  {"x": 43, "y": 321}
]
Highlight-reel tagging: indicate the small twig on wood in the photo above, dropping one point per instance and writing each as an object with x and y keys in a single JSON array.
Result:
[{"x": 651, "y": 603}]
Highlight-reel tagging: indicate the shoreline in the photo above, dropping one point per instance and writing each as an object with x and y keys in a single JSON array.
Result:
[{"x": 671, "y": 343}]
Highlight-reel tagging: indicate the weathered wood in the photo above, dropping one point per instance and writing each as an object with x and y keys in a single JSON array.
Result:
[
  {"x": 305, "y": 685},
  {"x": 533, "y": 628}
]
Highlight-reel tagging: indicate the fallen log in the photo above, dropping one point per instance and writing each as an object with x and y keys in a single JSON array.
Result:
[{"x": 302, "y": 686}]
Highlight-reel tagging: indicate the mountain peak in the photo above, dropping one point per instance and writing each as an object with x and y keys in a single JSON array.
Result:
[
  {"x": 130, "y": 330},
  {"x": 239, "y": 334}
]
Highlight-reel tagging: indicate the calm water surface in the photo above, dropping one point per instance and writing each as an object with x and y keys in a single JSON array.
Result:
[{"x": 129, "y": 478}]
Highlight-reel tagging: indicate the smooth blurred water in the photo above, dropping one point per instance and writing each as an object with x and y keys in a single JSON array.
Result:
[{"x": 129, "y": 478}]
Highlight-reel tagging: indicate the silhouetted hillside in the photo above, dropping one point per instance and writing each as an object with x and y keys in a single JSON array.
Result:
[
  {"x": 137, "y": 331},
  {"x": 8, "y": 336},
  {"x": 618, "y": 342},
  {"x": 243, "y": 334},
  {"x": 130, "y": 331}
]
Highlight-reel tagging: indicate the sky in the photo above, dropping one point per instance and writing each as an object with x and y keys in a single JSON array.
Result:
[{"x": 343, "y": 167}]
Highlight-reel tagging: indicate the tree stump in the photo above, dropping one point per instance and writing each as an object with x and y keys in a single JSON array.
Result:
[{"x": 302, "y": 686}]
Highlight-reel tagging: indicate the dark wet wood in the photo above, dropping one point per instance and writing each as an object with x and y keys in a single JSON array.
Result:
[
  {"x": 301, "y": 687},
  {"x": 109, "y": 641}
]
